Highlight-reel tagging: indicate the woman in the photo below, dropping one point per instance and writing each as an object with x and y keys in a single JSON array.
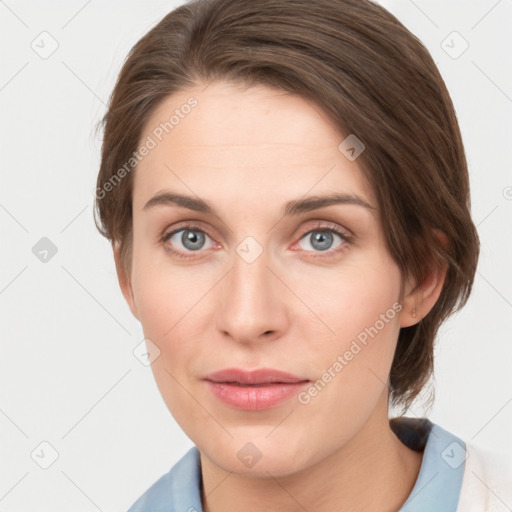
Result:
[{"x": 286, "y": 191}]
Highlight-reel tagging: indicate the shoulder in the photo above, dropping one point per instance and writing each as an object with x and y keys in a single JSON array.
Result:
[
  {"x": 179, "y": 486},
  {"x": 459, "y": 475},
  {"x": 487, "y": 482},
  {"x": 154, "y": 498}
]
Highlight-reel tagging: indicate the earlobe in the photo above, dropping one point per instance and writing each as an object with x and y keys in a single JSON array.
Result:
[
  {"x": 421, "y": 299},
  {"x": 409, "y": 313},
  {"x": 124, "y": 279}
]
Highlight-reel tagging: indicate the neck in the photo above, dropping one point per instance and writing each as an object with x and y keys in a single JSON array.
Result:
[{"x": 374, "y": 471}]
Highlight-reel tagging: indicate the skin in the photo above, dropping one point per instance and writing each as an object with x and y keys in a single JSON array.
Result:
[{"x": 248, "y": 151}]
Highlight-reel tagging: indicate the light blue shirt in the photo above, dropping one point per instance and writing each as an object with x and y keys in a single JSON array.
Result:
[{"x": 437, "y": 487}]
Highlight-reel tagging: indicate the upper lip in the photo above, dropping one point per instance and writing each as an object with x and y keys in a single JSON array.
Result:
[{"x": 260, "y": 376}]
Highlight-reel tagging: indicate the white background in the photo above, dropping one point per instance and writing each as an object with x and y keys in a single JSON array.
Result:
[{"x": 68, "y": 375}]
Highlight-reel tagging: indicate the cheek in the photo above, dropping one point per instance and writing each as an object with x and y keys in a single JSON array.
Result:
[
  {"x": 361, "y": 310},
  {"x": 163, "y": 294},
  {"x": 170, "y": 302},
  {"x": 169, "y": 311},
  {"x": 352, "y": 299},
  {"x": 168, "y": 307}
]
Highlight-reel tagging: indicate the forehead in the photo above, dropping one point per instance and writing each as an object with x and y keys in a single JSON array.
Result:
[
  {"x": 224, "y": 105},
  {"x": 223, "y": 135}
]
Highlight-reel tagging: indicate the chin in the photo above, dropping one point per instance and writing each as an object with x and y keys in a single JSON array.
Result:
[{"x": 259, "y": 457}]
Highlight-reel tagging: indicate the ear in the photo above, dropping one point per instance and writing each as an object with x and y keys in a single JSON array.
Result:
[
  {"x": 124, "y": 279},
  {"x": 420, "y": 298}
]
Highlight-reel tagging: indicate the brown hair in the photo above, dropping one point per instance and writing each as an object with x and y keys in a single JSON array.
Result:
[{"x": 371, "y": 76}]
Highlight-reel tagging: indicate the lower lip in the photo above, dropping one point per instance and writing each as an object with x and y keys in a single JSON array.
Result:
[{"x": 254, "y": 398}]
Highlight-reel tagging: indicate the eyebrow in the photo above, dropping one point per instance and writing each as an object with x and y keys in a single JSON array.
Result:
[{"x": 294, "y": 207}]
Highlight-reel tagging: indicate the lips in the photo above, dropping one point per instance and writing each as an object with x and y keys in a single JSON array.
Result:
[
  {"x": 255, "y": 390},
  {"x": 259, "y": 377}
]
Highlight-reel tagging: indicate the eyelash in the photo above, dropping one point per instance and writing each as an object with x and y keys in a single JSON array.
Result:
[{"x": 322, "y": 227}]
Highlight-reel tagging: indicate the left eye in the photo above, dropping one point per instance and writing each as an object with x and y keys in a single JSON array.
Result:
[{"x": 322, "y": 239}]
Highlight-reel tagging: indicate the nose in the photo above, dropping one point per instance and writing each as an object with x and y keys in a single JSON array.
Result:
[{"x": 252, "y": 301}]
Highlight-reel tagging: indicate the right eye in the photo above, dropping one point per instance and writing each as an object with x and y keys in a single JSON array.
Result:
[{"x": 191, "y": 238}]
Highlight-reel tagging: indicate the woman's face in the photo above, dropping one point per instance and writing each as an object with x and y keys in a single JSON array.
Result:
[{"x": 268, "y": 278}]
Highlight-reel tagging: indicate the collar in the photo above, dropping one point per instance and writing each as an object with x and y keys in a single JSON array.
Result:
[{"x": 439, "y": 481}]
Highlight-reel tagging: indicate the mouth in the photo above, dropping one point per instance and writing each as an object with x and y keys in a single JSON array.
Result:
[
  {"x": 258, "y": 377},
  {"x": 254, "y": 390}
]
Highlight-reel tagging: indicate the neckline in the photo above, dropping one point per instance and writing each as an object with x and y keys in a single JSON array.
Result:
[{"x": 437, "y": 486}]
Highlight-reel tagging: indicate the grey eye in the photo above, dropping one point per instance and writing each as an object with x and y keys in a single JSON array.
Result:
[
  {"x": 191, "y": 239},
  {"x": 321, "y": 240}
]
